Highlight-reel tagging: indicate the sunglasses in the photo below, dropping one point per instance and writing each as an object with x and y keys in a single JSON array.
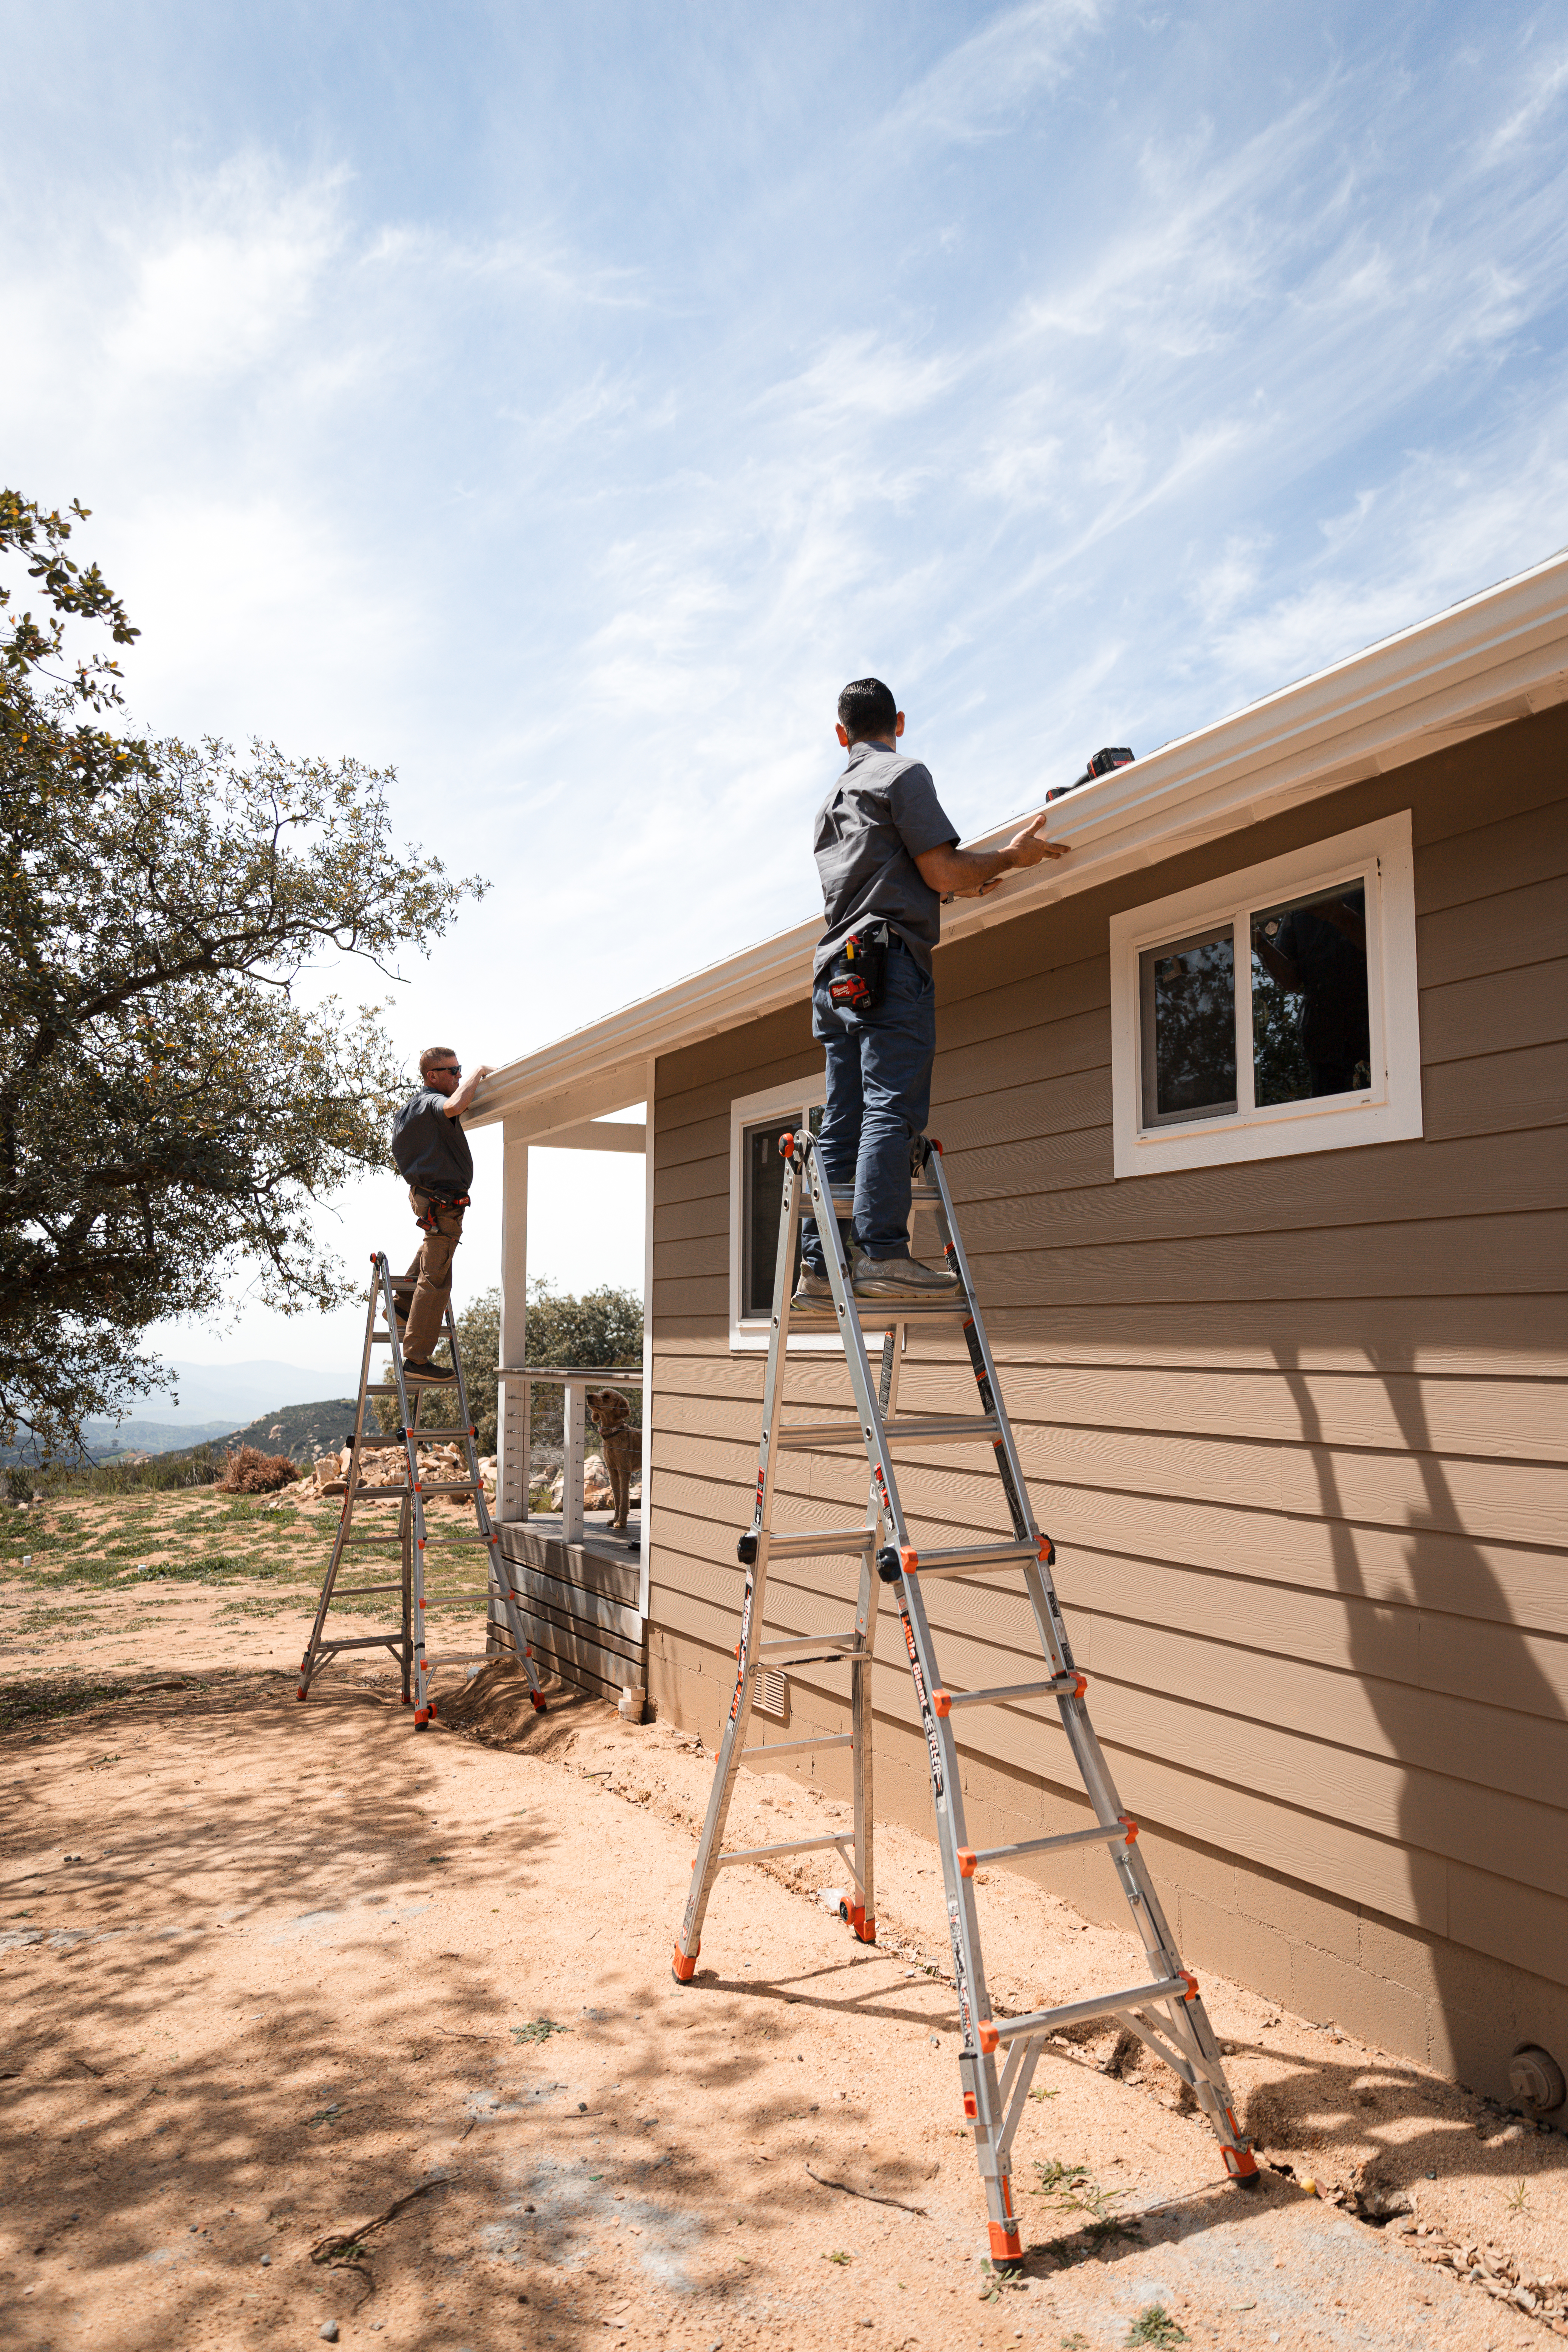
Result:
[{"x": 455, "y": 1068}]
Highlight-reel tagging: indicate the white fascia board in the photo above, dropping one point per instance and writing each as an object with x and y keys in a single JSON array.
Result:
[{"x": 1498, "y": 656}]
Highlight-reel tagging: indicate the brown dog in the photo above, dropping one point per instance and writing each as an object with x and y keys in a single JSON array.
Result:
[{"x": 621, "y": 1447}]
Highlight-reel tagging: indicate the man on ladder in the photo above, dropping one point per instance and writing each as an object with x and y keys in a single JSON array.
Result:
[
  {"x": 881, "y": 839},
  {"x": 432, "y": 1153},
  {"x": 888, "y": 855}
]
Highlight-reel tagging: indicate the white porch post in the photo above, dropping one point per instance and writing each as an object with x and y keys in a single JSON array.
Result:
[
  {"x": 573, "y": 1397},
  {"x": 647, "y": 1514},
  {"x": 514, "y": 1416}
]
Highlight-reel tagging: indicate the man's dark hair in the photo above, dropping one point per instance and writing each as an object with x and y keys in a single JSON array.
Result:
[{"x": 866, "y": 708}]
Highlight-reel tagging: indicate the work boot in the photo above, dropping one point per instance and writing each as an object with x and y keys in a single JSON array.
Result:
[
  {"x": 424, "y": 1373},
  {"x": 813, "y": 1294},
  {"x": 901, "y": 1277}
]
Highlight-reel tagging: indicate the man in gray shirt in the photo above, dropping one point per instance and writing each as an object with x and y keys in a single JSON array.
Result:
[
  {"x": 432, "y": 1152},
  {"x": 886, "y": 855}
]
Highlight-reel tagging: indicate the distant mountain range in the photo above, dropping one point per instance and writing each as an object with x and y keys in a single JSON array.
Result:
[
  {"x": 105, "y": 1438},
  {"x": 219, "y": 1401},
  {"x": 235, "y": 1393},
  {"x": 304, "y": 1432}
]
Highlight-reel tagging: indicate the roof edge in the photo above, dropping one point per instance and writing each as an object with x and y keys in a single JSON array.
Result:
[{"x": 1500, "y": 655}]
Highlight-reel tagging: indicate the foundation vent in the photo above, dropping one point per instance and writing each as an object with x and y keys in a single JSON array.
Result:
[{"x": 770, "y": 1693}]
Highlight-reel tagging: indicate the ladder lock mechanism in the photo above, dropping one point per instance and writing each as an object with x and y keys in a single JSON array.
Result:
[{"x": 746, "y": 1548}]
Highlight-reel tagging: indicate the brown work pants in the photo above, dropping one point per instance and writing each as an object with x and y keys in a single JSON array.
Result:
[{"x": 431, "y": 1273}]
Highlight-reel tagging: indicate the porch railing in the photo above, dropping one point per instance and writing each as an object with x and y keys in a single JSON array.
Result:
[{"x": 514, "y": 1434}]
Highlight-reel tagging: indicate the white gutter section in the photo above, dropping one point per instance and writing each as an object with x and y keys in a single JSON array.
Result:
[{"x": 1500, "y": 656}]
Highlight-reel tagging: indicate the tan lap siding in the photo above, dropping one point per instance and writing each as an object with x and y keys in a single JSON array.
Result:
[{"x": 1298, "y": 1426}]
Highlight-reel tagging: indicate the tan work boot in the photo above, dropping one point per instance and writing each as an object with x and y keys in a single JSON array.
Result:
[
  {"x": 901, "y": 1277},
  {"x": 813, "y": 1294}
]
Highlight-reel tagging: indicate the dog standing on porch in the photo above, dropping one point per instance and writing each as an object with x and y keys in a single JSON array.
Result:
[{"x": 620, "y": 1446}]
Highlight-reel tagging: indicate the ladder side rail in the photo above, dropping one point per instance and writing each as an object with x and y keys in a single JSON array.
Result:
[
  {"x": 405, "y": 1562},
  {"x": 345, "y": 1517},
  {"x": 863, "y": 1915},
  {"x": 1190, "y": 2023},
  {"x": 882, "y": 1511},
  {"x": 411, "y": 1450},
  {"x": 753, "y": 1554},
  {"x": 500, "y": 1584},
  {"x": 976, "y": 2066},
  {"x": 983, "y": 2108}
]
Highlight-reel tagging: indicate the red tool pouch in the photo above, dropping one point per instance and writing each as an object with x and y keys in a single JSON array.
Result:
[{"x": 858, "y": 973}]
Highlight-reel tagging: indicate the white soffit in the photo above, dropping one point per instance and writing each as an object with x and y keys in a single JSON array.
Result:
[{"x": 1500, "y": 656}]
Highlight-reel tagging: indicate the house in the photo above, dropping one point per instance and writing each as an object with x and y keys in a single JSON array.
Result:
[{"x": 1287, "y": 1368}]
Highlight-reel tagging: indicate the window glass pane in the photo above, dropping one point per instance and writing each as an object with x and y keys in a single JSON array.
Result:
[
  {"x": 1309, "y": 1027},
  {"x": 1187, "y": 992},
  {"x": 765, "y": 1173}
]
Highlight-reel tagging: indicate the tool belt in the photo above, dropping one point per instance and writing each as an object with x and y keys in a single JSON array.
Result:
[
  {"x": 426, "y": 1220},
  {"x": 858, "y": 973}
]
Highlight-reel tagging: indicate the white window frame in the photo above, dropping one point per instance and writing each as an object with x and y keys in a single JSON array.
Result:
[
  {"x": 803, "y": 1095},
  {"x": 1387, "y": 1111}
]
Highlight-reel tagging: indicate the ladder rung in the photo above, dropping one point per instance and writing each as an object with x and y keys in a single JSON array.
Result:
[
  {"x": 794, "y": 1746},
  {"x": 1059, "y": 1686},
  {"x": 451, "y": 1599},
  {"x": 816, "y": 1541},
  {"x": 361, "y": 1592},
  {"x": 910, "y": 1429},
  {"x": 941, "y": 1426},
  {"x": 371, "y": 1543},
  {"x": 881, "y": 1313},
  {"x": 799, "y": 1845},
  {"x": 1074, "y": 2013},
  {"x": 421, "y": 1435},
  {"x": 807, "y": 1641},
  {"x": 844, "y": 1202},
  {"x": 957, "y": 1560},
  {"x": 1120, "y": 1834},
  {"x": 379, "y": 1494},
  {"x": 365, "y": 1642},
  {"x": 464, "y": 1657},
  {"x": 451, "y": 1486}
]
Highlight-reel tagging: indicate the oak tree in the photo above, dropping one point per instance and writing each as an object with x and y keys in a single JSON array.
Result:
[{"x": 175, "y": 1091}]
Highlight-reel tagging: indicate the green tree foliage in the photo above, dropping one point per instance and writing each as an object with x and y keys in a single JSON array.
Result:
[{"x": 169, "y": 1106}]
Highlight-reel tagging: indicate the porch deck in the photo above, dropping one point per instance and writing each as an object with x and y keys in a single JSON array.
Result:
[{"x": 580, "y": 1599}]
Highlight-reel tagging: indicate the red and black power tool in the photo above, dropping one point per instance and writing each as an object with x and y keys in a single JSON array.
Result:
[{"x": 1115, "y": 755}]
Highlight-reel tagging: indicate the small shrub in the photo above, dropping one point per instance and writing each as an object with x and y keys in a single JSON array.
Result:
[{"x": 249, "y": 1471}]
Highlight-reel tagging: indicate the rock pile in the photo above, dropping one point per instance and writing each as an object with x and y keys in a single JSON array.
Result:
[
  {"x": 598, "y": 1495},
  {"x": 387, "y": 1465}
]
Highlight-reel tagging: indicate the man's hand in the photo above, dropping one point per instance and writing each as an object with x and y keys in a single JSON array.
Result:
[
  {"x": 463, "y": 1099},
  {"x": 975, "y": 872}
]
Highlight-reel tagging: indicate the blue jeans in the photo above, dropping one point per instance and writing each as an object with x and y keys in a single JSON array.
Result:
[{"x": 878, "y": 1099}]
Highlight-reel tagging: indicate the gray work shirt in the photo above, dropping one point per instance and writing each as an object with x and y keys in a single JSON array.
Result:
[
  {"x": 431, "y": 1149},
  {"x": 881, "y": 815}
]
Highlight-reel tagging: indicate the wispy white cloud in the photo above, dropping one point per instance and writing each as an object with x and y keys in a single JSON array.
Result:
[{"x": 1091, "y": 374}]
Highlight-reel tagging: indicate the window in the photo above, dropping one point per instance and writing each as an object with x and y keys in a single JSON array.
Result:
[
  {"x": 1271, "y": 1011},
  {"x": 756, "y": 1196}
]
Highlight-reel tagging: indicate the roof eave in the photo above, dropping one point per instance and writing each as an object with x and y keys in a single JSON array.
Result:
[{"x": 1497, "y": 656}]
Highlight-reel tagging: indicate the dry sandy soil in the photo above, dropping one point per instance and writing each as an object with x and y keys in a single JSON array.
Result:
[{"x": 273, "y": 1971}]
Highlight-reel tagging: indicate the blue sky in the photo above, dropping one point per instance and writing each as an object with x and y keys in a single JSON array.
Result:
[{"x": 560, "y": 403}]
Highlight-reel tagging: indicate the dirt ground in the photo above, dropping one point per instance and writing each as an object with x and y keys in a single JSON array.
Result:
[{"x": 273, "y": 1971}]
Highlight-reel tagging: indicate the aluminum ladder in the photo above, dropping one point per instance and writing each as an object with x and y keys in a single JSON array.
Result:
[
  {"x": 999, "y": 2055},
  {"x": 408, "y": 1643}
]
